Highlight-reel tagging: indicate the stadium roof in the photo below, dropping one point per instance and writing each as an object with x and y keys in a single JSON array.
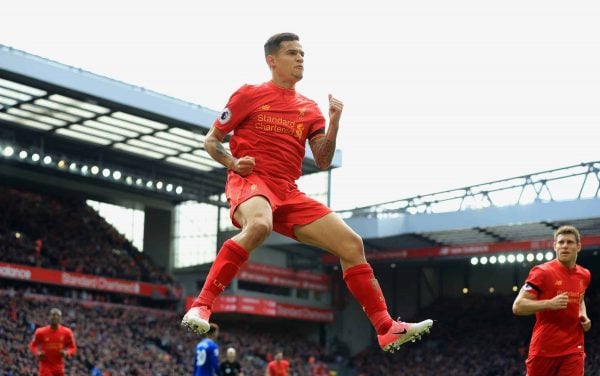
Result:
[
  {"x": 522, "y": 208},
  {"x": 65, "y": 122}
]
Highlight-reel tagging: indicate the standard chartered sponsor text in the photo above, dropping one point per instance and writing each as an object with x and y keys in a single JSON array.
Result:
[
  {"x": 100, "y": 283},
  {"x": 275, "y": 124}
]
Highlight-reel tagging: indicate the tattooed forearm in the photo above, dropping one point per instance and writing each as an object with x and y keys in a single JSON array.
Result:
[
  {"x": 323, "y": 152},
  {"x": 216, "y": 150},
  {"x": 221, "y": 149}
]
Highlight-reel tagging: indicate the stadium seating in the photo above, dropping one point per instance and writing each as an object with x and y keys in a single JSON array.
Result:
[
  {"x": 71, "y": 236},
  {"x": 122, "y": 339},
  {"x": 473, "y": 336}
]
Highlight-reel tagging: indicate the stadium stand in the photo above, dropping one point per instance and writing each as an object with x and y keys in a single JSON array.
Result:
[
  {"x": 126, "y": 335},
  {"x": 122, "y": 339},
  {"x": 71, "y": 236},
  {"x": 477, "y": 336}
]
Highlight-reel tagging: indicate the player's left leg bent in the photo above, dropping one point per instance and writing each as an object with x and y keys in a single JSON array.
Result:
[{"x": 332, "y": 234}]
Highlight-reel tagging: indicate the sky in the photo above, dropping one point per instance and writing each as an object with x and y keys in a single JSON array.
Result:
[{"x": 437, "y": 94}]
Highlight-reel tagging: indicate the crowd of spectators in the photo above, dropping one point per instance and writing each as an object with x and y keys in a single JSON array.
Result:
[
  {"x": 67, "y": 234},
  {"x": 477, "y": 336},
  {"x": 120, "y": 339}
]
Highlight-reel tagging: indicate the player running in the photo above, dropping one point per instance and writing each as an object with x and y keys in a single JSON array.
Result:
[
  {"x": 51, "y": 344},
  {"x": 554, "y": 292}
]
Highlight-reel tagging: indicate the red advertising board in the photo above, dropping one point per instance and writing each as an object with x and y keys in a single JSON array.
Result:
[
  {"x": 266, "y": 307},
  {"x": 85, "y": 281},
  {"x": 464, "y": 250},
  {"x": 273, "y": 275}
]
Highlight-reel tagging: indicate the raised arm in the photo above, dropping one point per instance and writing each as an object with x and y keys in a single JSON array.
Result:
[
  {"x": 323, "y": 148},
  {"x": 526, "y": 303},
  {"x": 213, "y": 144}
]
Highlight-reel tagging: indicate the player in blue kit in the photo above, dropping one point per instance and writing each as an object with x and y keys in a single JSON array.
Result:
[{"x": 206, "y": 361}]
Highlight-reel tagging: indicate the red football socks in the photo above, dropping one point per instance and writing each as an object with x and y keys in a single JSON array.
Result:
[
  {"x": 230, "y": 258},
  {"x": 362, "y": 284}
]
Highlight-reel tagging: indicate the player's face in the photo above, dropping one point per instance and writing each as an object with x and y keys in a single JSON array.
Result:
[
  {"x": 288, "y": 63},
  {"x": 55, "y": 317},
  {"x": 566, "y": 248}
]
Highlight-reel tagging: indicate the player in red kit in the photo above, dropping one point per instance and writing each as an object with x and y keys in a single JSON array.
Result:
[
  {"x": 271, "y": 123},
  {"x": 51, "y": 344},
  {"x": 554, "y": 291},
  {"x": 278, "y": 366}
]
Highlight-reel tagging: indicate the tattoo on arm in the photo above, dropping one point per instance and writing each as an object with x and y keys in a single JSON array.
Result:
[
  {"x": 323, "y": 151},
  {"x": 221, "y": 149},
  {"x": 222, "y": 156}
]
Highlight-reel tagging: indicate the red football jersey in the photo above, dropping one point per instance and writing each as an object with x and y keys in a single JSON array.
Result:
[
  {"x": 278, "y": 368},
  {"x": 557, "y": 333},
  {"x": 51, "y": 342},
  {"x": 272, "y": 125}
]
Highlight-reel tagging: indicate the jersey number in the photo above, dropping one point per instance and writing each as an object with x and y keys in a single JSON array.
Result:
[{"x": 200, "y": 357}]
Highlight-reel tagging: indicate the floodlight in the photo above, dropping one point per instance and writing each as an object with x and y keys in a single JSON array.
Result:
[{"x": 8, "y": 151}]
